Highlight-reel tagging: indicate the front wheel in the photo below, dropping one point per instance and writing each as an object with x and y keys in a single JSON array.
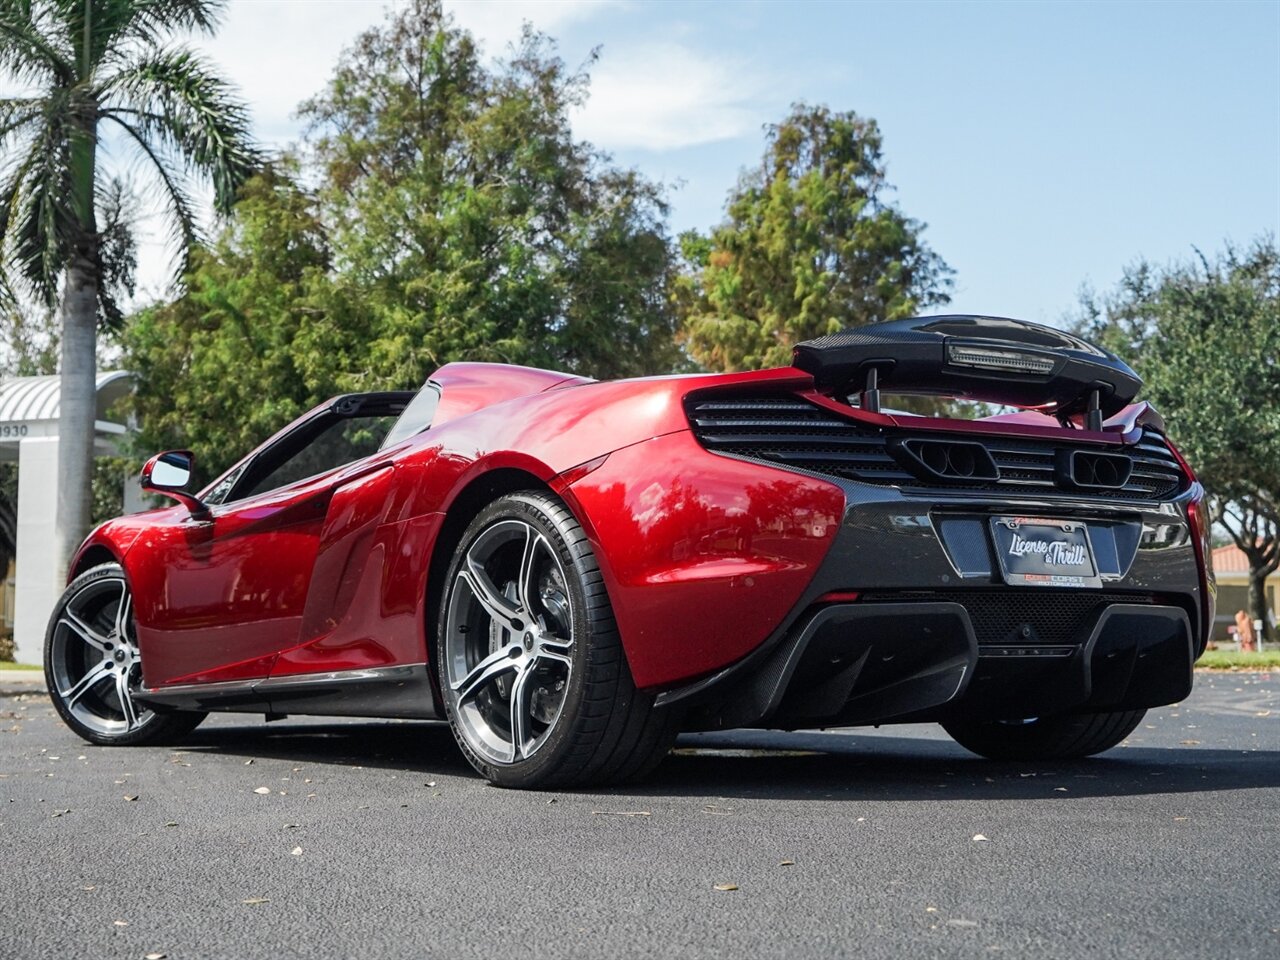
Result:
[
  {"x": 1049, "y": 738},
  {"x": 535, "y": 683},
  {"x": 93, "y": 668}
]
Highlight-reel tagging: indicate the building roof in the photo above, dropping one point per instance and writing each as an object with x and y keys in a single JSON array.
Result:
[
  {"x": 36, "y": 398},
  {"x": 1230, "y": 559}
]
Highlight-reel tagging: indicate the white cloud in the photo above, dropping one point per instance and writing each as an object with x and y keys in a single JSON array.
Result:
[
  {"x": 497, "y": 23},
  {"x": 281, "y": 52},
  {"x": 663, "y": 96},
  {"x": 278, "y": 53}
]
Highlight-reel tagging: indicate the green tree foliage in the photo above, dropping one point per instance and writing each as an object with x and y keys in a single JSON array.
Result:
[
  {"x": 95, "y": 66},
  {"x": 452, "y": 216},
  {"x": 471, "y": 222},
  {"x": 235, "y": 358},
  {"x": 1205, "y": 337},
  {"x": 810, "y": 246}
]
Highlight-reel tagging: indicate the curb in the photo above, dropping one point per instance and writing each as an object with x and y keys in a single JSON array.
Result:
[{"x": 14, "y": 683}]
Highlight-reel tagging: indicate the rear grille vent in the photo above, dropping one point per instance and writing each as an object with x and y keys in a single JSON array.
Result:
[
  {"x": 791, "y": 432},
  {"x": 1027, "y": 617}
]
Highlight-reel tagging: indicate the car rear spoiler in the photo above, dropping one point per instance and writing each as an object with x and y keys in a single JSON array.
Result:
[{"x": 993, "y": 359}]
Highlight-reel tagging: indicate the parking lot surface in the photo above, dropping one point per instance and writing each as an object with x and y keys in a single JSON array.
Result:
[{"x": 324, "y": 838}]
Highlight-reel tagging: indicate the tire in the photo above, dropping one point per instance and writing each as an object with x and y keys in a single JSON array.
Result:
[
  {"x": 1051, "y": 738},
  {"x": 535, "y": 683},
  {"x": 91, "y": 635}
]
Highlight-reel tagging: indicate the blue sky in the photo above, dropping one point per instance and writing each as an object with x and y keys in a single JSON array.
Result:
[{"x": 1046, "y": 145}]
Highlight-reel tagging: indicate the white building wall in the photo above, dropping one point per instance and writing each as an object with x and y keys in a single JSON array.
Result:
[{"x": 39, "y": 578}]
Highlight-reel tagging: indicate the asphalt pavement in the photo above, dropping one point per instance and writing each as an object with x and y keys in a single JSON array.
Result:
[{"x": 316, "y": 838}]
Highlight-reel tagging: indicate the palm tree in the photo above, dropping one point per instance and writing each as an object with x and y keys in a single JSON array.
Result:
[{"x": 100, "y": 72}]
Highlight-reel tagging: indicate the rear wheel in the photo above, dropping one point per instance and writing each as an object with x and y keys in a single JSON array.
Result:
[
  {"x": 1050, "y": 738},
  {"x": 535, "y": 683},
  {"x": 93, "y": 668}
]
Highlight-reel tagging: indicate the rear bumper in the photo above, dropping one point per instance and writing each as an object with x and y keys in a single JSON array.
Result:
[
  {"x": 935, "y": 631},
  {"x": 849, "y": 664}
]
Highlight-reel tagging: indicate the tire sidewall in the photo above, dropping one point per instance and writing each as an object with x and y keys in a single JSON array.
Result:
[
  {"x": 106, "y": 571},
  {"x": 529, "y": 508}
]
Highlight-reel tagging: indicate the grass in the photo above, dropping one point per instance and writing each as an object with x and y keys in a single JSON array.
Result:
[
  {"x": 1235, "y": 660},
  {"x": 10, "y": 665}
]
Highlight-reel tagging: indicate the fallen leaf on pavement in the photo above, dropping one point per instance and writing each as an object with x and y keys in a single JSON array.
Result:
[
  {"x": 155, "y": 956},
  {"x": 296, "y": 851},
  {"x": 786, "y": 863},
  {"x": 724, "y": 887},
  {"x": 979, "y": 838},
  {"x": 172, "y": 823},
  {"x": 254, "y": 901},
  {"x": 131, "y": 797},
  {"x": 262, "y": 790}
]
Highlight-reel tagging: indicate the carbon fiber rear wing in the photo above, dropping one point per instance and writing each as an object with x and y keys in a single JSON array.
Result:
[{"x": 996, "y": 360}]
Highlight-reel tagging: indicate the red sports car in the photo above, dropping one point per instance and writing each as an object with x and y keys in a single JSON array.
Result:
[{"x": 572, "y": 572}]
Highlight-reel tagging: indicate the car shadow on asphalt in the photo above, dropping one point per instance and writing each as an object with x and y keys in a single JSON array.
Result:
[
  {"x": 763, "y": 764},
  {"x": 797, "y": 766}
]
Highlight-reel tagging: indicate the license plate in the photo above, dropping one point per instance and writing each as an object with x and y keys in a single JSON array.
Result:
[{"x": 1036, "y": 552}]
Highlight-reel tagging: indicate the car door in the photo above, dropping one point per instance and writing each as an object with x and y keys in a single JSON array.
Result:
[{"x": 231, "y": 590}]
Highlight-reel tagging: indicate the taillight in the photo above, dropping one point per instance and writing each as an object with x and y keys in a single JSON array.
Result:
[{"x": 1200, "y": 522}]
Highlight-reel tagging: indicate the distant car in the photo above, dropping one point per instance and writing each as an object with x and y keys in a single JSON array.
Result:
[{"x": 572, "y": 572}]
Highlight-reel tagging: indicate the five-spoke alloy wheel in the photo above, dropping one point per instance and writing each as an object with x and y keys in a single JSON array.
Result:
[
  {"x": 94, "y": 669},
  {"x": 535, "y": 683}
]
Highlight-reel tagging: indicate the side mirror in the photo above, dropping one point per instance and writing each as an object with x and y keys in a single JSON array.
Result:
[{"x": 168, "y": 473}]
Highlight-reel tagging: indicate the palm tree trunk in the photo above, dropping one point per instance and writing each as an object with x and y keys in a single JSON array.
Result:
[
  {"x": 79, "y": 322},
  {"x": 77, "y": 412}
]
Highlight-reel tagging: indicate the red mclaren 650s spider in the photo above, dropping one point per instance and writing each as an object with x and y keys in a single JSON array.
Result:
[{"x": 572, "y": 572}]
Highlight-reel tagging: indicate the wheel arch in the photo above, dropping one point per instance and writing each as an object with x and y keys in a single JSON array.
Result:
[
  {"x": 92, "y": 556},
  {"x": 477, "y": 494}
]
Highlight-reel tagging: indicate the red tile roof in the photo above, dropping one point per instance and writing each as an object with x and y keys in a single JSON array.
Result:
[{"x": 1230, "y": 559}]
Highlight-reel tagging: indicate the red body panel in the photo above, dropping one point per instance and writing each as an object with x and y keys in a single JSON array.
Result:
[
  {"x": 703, "y": 555},
  {"x": 342, "y": 626},
  {"x": 217, "y": 600},
  {"x": 468, "y": 387}
]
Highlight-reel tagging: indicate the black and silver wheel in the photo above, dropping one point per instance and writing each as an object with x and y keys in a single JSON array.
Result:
[
  {"x": 535, "y": 683},
  {"x": 93, "y": 667},
  {"x": 1046, "y": 738}
]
